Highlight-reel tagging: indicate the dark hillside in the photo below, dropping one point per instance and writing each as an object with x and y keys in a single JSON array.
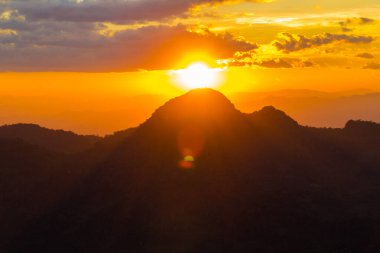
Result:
[{"x": 56, "y": 140}]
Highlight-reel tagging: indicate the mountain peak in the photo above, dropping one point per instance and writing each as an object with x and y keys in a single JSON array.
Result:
[
  {"x": 270, "y": 116},
  {"x": 203, "y": 92},
  {"x": 203, "y": 97},
  {"x": 204, "y": 106}
]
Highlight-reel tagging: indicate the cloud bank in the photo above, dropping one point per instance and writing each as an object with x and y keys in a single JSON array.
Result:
[
  {"x": 83, "y": 50},
  {"x": 63, "y": 35},
  {"x": 127, "y": 35},
  {"x": 119, "y": 11},
  {"x": 292, "y": 42}
]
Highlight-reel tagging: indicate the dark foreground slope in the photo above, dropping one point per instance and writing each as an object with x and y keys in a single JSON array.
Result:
[{"x": 199, "y": 176}]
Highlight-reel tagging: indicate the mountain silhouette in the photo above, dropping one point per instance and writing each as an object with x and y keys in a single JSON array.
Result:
[
  {"x": 57, "y": 140},
  {"x": 363, "y": 128},
  {"x": 315, "y": 108},
  {"x": 271, "y": 119},
  {"x": 200, "y": 176},
  {"x": 270, "y": 115}
]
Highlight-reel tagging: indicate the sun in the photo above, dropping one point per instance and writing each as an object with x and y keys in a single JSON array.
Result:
[{"x": 198, "y": 75}]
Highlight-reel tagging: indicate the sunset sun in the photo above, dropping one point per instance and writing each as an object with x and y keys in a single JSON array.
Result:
[{"x": 197, "y": 75}]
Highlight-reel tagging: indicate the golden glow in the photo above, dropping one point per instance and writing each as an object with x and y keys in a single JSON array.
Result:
[
  {"x": 108, "y": 102},
  {"x": 189, "y": 158},
  {"x": 198, "y": 75}
]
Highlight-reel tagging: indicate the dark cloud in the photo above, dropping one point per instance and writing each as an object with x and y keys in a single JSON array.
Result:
[
  {"x": 269, "y": 63},
  {"x": 347, "y": 25},
  {"x": 284, "y": 63},
  {"x": 276, "y": 63},
  {"x": 63, "y": 35},
  {"x": 372, "y": 65},
  {"x": 117, "y": 11},
  {"x": 101, "y": 11},
  {"x": 365, "y": 56},
  {"x": 291, "y": 42},
  {"x": 308, "y": 64},
  {"x": 298, "y": 63},
  {"x": 47, "y": 48}
]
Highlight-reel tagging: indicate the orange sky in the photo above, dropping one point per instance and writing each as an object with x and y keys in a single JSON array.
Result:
[
  {"x": 100, "y": 85},
  {"x": 101, "y": 103}
]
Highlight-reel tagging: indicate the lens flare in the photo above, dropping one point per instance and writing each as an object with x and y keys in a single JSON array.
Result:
[{"x": 190, "y": 144}]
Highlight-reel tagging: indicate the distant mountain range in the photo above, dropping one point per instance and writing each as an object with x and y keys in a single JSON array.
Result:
[
  {"x": 197, "y": 176},
  {"x": 56, "y": 140},
  {"x": 315, "y": 108}
]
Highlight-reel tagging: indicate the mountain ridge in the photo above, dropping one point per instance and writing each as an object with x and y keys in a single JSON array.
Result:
[{"x": 56, "y": 140}]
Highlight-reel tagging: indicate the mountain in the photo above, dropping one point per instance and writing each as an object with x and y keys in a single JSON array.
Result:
[
  {"x": 200, "y": 176},
  {"x": 363, "y": 128},
  {"x": 105, "y": 114},
  {"x": 315, "y": 108},
  {"x": 271, "y": 117},
  {"x": 56, "y": 140}
]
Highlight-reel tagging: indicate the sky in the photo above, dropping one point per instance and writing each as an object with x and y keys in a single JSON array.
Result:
[{"x": 91, "y": 50}]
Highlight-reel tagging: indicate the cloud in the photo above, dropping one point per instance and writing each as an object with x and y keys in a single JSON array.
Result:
[
  {"x": 297, "y": 63},
  {"x": 275, "y": 63},
  {"x": 345, "y": 25},
  {"x": 116, "y": 11},
  {"x": 252, "y": 60},
  {"x": 47, "y": 48},
  {"x": 292, "y": 42},
  {"x": 284, "y": 63},
  {"x": 372, "y": 65},
  {"x": 365, "y": 56},
  {"x": 65, "y": 35}
]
